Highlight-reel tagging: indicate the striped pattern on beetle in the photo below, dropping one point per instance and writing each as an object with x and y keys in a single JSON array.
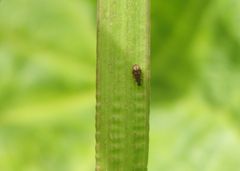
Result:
[{"x": 137, "y": 74}]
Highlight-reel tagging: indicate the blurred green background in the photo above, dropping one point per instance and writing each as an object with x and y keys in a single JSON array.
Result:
[{"x": 47, "y": 85}]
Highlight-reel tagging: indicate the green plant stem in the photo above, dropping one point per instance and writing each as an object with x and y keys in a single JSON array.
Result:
[{"x": 122, "y": 112}]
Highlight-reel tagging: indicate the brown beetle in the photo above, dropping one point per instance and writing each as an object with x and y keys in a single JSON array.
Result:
[{"x": 137, "y": 74}]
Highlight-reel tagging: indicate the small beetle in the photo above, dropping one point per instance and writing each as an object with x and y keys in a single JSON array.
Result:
[{"x": 137, "y": 74}]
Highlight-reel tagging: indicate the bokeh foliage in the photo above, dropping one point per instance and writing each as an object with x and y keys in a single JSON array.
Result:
[{"x": 47, "y": 85}]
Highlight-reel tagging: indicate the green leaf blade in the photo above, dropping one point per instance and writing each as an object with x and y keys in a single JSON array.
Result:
[{"x": 122, "y": 117}]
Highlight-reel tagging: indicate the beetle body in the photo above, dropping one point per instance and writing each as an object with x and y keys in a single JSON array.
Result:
[{"x": 137, "y": 74}]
